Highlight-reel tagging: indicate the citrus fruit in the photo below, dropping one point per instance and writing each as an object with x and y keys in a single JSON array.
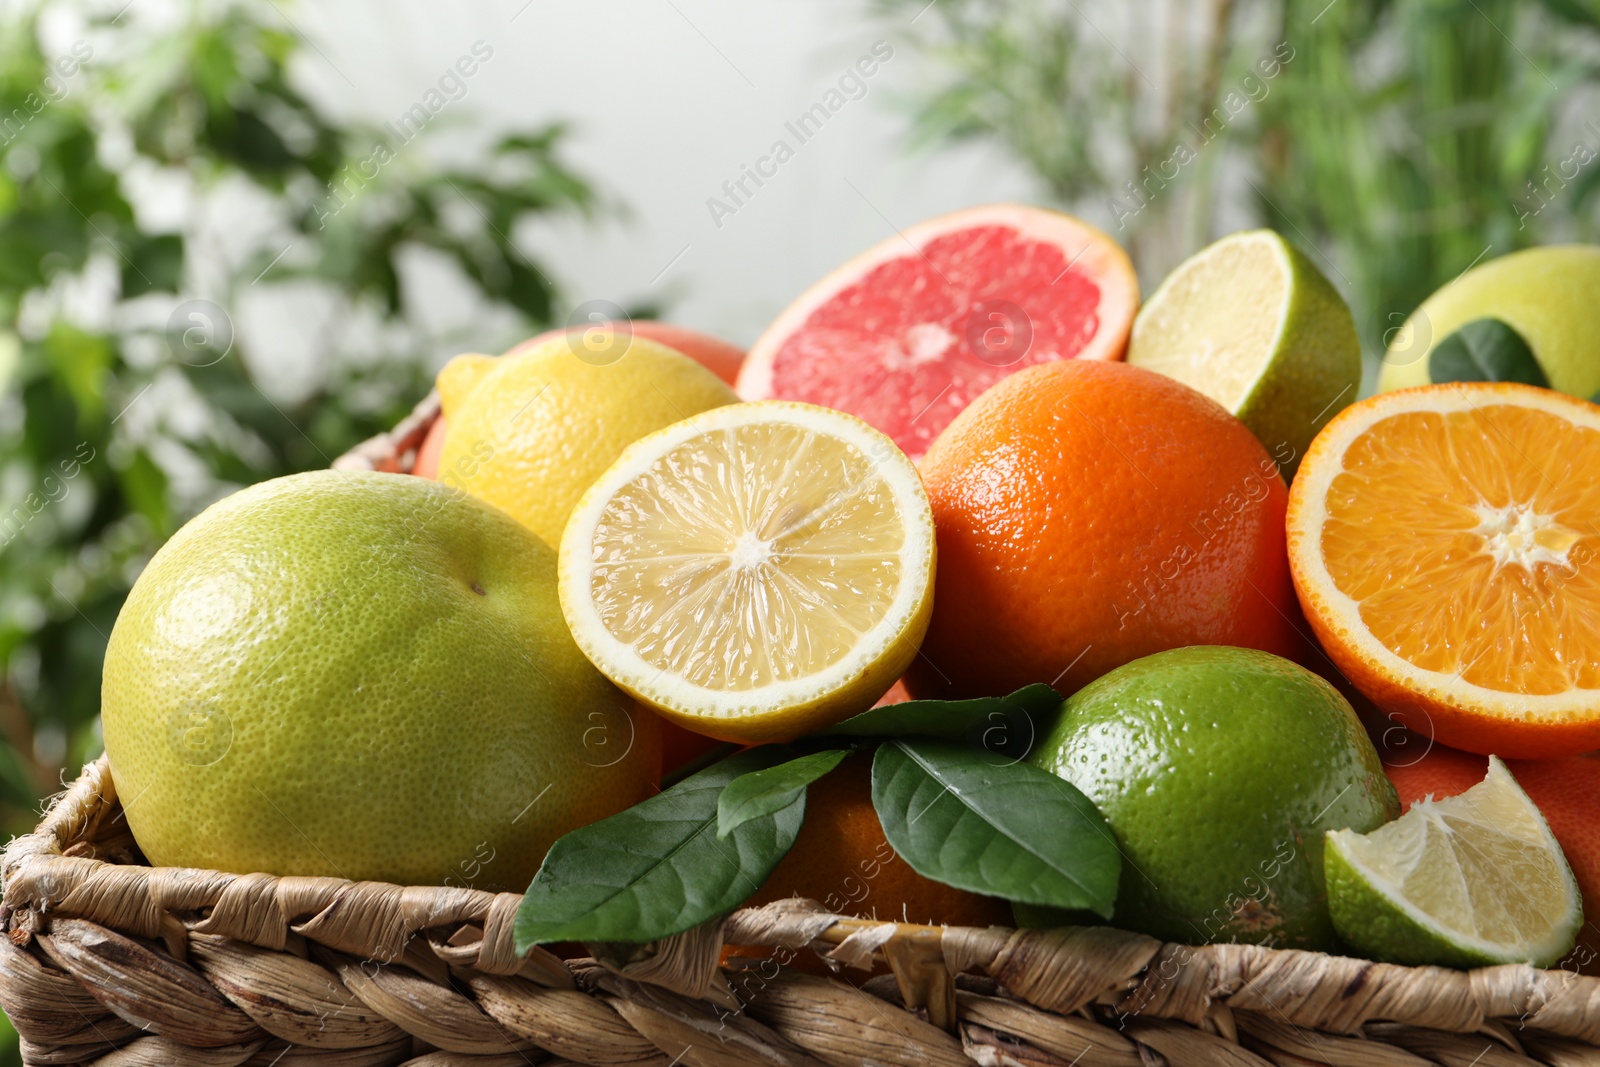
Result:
[
  {"x": 1443, "y": 542},
  {"x": 1473, "y": 880},
  {"x": 843, "y": 861},
  {"x": 1219, "y": 770},
  {"x": 896, "y": 695},
  {"x": 530, "y": 431},
  {"x": 1252, "y": 323},
  {"x": 911, "y": 331},
  {"x": 1090, "y": 514},
  {"x": 683, "y": 748},
  {"x": 426, "y": 465},
  {"x": 1547, "y": 295},
  {"x": 1424, "y": 769},
  {"x": 716, "y": 355},
  {"x": 363, "y": 676},
  {"x": 1567, "y": 792},
  {"x": 713, "y": 353},
  {"x": 756, "y": 572}
]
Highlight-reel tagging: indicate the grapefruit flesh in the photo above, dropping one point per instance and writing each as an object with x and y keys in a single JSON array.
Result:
[{"x": 907, "y": 334}]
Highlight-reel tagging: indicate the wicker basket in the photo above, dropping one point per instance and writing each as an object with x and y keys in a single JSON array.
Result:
[{"x": 110, "y": 961}]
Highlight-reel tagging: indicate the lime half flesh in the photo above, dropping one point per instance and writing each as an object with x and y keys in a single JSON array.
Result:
[
  {"x": 1252, "y": 323},
  {"x": 1468, "y": 881}
]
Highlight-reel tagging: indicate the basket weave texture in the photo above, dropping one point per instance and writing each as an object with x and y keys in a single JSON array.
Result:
[{"x": 112, "y": 962}]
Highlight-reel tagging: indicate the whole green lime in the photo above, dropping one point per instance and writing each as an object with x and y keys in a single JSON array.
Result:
[
  {"x": 363, "y": 676},
  {"x": 1219, "y": 770}
]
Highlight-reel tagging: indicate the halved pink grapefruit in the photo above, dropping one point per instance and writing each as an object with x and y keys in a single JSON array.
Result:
[{"x": 908, "y": 333}]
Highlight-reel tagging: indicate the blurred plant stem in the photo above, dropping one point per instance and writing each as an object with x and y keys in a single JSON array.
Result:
[
  {"x": 1395, "y": 139},
  {"x": 155, "y": 176}
]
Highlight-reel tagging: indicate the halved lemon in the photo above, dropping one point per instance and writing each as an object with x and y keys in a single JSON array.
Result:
[
  {"x": 1445, "y": 544},
  {"x": 756, "y": 572}
]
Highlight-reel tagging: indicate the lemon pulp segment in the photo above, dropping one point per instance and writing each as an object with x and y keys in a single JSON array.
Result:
[{"x": 752, "y": 555}]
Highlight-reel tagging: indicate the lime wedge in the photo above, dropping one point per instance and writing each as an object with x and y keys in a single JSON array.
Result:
[
  {"x": 1250, "y": 322},
  {"x": 1468, "y": 881}
]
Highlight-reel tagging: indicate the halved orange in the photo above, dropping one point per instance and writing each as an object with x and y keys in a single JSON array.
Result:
[{"x": 1445, "y": 545}]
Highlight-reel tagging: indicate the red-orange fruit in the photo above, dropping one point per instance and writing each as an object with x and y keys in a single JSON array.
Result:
[{"x": 1088, "y": 514}]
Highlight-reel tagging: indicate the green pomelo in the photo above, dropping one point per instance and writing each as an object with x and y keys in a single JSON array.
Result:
[
  {"x": 1547, "y": 295},
  {"x": 363, "y": 676}
]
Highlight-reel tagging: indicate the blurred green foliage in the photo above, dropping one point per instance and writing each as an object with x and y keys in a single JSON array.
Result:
[
  {"x": 1400, "y": 140},
  {"x": 1408, "y": 134},
  {"x": 128, "y": 396}
]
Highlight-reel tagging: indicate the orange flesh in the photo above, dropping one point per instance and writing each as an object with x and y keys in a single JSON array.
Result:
[{"x": 1469, "y": 540}]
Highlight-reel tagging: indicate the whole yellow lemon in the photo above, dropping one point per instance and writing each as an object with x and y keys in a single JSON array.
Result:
[{"x": 530, "y": 431}]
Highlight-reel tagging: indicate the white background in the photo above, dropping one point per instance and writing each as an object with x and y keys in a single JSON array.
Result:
[{"x": 668, "y": 98}]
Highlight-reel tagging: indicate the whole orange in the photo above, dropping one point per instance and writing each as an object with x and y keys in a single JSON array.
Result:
[
  {"x": 843, "y": 861},
  {"x": 1567, "y": 791},
  {"x": 1092, "y": 513}
]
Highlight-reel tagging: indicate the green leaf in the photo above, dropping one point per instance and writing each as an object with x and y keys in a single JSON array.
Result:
[
  {"x": 1005, "y": 725},
  {"x": 1485, "y": 350},
  {"x": 658, "y": 868},
  {"x": 698, "y": 764},
  {"x": 963, "y": 817},
  {"x": 759, "y": 793},
  {"x": 153, "y": 263},
  {"x": 144, "y": 486},
  {"x": 81, "y": 362}
]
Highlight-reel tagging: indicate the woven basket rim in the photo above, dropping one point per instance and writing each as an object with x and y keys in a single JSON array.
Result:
[{"x": 72, "y": 875}]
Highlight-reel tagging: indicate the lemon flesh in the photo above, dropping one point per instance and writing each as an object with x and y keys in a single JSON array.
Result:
[
  {"x": 1251, "y": 323},
  {"x": 1471, "y": 880},
  {"x": 757, "y": 572}
]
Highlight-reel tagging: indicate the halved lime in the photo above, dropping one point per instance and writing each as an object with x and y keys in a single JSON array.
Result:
[
  {"x": 1468, "y": 881},
  {"x": 1250, "y": 322}
]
